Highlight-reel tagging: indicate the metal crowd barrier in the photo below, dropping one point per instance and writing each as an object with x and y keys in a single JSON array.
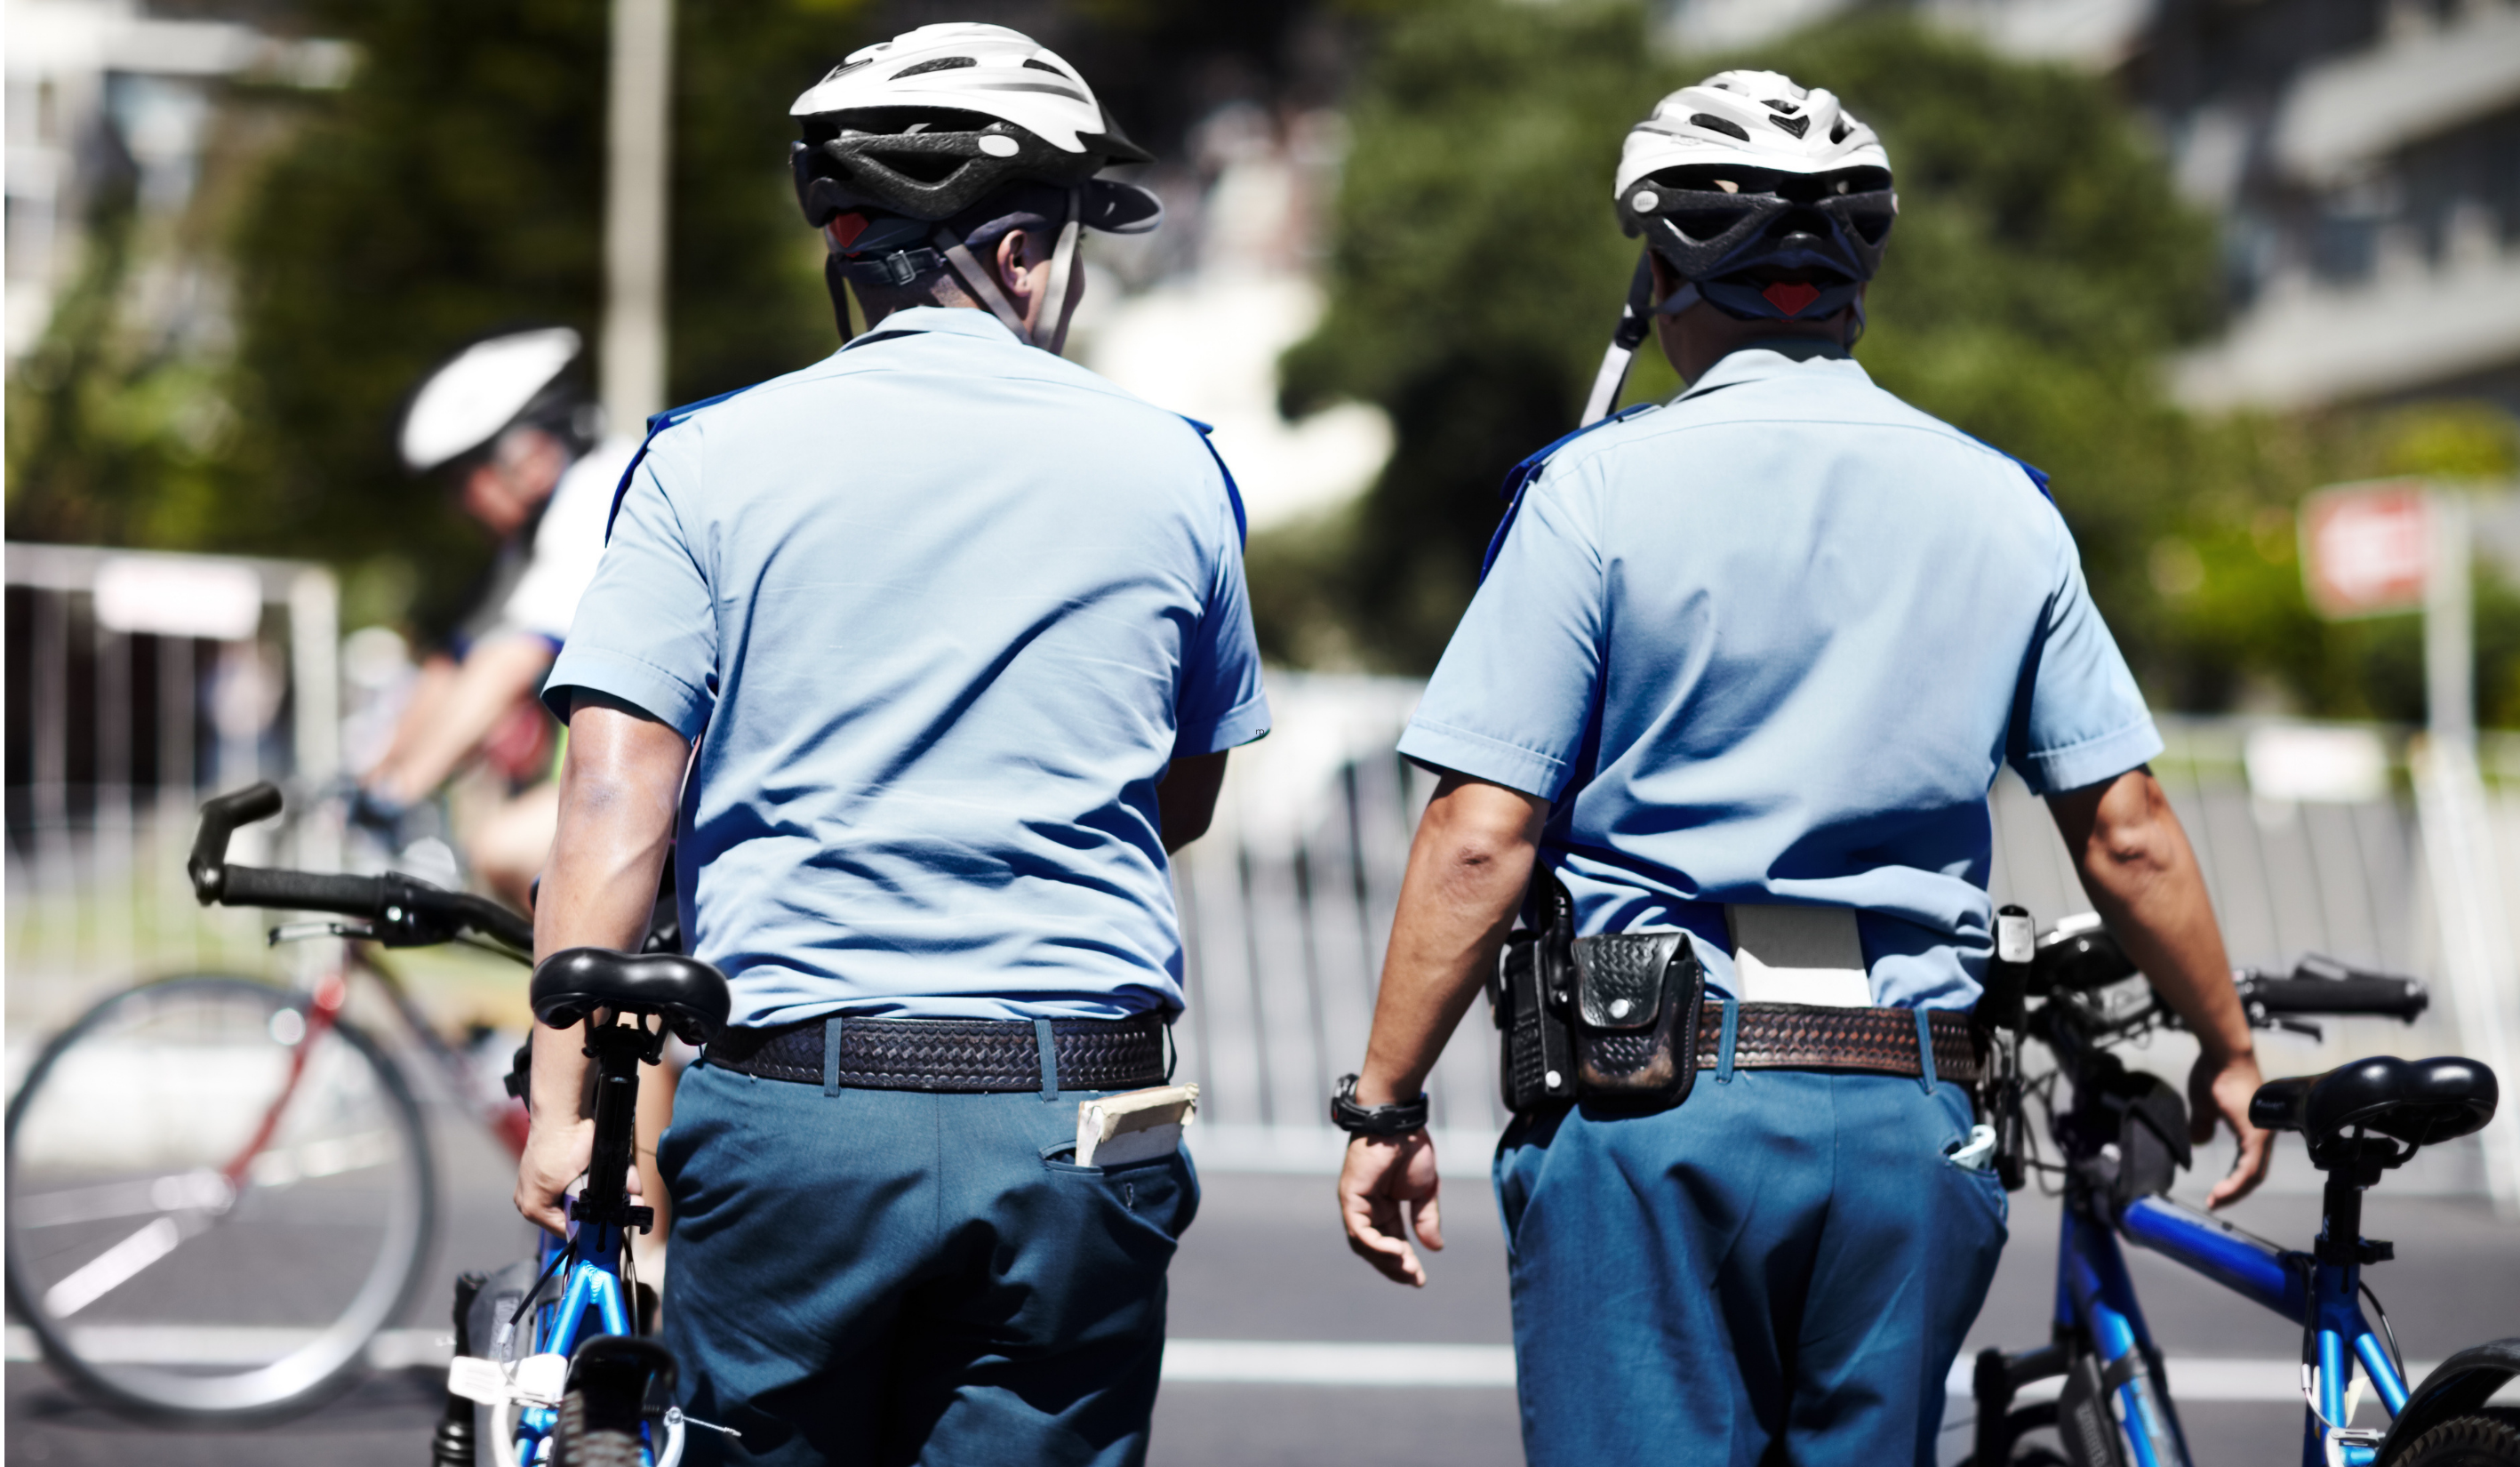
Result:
[
  {"x": 138, "y": 684},
  {"x": 1288, "y": 903}
]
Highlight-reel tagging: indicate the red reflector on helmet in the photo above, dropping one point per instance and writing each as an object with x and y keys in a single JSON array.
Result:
[
  {"x": 1789, "y": 295},
  {"x": 847, "y": 228}
]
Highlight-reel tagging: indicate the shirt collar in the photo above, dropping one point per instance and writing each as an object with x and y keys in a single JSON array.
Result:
[
  {"x": 1776, "y": 356},
  {"x": 943, "y": 320}
]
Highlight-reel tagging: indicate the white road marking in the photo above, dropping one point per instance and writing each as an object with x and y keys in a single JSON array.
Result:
[
  {"x": 113, "y": 1269},
  {"x": 1232, "y": 1362}
]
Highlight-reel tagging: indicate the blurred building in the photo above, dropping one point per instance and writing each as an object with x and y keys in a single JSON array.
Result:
[
  {"x": 2363, "y": 156},
  {"x": 1196, "y": 319},
  {"x": 101, "y": 94}
]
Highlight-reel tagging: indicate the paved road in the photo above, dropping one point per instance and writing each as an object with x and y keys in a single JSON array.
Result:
[{"x": 1265, "y": 1262}]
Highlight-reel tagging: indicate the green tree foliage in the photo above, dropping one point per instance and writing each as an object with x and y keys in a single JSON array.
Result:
[
  {"x": 2042, "y": 271},
  {"x": 455, "y": 187}
]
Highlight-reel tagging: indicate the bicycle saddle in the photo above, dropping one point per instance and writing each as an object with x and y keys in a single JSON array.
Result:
[
  {"x": 688, "y": 994},
  {"x": 2419, "y": 1102}
]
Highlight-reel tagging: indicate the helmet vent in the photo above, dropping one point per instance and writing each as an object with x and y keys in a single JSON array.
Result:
[
  {"x": 1787, "y": 108},
  {"x": 1036, "y": 64},
  {"x": 1795, "y": 126},
  {"x": 1725, "y": 126},
  {"x": 1837, "y": 132},
  {"x": 940, "y": 64}
]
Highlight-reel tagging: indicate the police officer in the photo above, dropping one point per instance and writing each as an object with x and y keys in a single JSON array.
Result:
[
  {"x": 953, "y": 638},
  {"x": 510, "y": 426},
  {"x": 1743, "y": 670}
]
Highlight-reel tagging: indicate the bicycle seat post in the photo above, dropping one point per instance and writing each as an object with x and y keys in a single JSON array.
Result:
[{"x": 619, "y": 1050}]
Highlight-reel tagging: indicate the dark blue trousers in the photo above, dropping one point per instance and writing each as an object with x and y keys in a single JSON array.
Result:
[
  {"x": 1785, "y": 1261},
  {"x": 884, "y": 1278}
]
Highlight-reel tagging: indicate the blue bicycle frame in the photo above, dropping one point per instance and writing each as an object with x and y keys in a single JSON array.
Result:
[
  {"x": 592, "y": 1284},
  {"x": 2095, "y": 1301},
  {"x": 2095, "y": 1294}
]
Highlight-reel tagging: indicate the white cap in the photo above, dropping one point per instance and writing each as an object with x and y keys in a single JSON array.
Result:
[
  {"x": 1751, "y": 119},
  {"x": 474, "y": 397}
]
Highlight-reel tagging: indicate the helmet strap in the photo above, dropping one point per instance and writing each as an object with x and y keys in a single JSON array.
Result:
[
  {"x": 979, "y": 282},
  {"x": 1636, "y": 318},
  {"x": 1063, "y": 261},
  {"x": 836, "y": 280}
]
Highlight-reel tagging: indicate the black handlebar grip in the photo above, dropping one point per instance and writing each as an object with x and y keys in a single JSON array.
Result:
[
  {"x": 2392, "y": 997},
  {"x": 305, "y": 892},
  {"x": 221, "y": 814}
]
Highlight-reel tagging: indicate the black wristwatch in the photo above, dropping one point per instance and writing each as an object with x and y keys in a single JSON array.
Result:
[{"x": 1382, "y": 1121}]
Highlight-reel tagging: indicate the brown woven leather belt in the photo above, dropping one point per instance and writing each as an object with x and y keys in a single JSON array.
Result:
[
  {"x": 1805, "y": 1036},
  {"x": 956, "y": 1056}
]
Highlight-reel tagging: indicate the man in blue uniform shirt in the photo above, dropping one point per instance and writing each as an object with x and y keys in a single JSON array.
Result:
[
  {"x": 1744, "y": 667},
  {"x": 953, "y": 637}
]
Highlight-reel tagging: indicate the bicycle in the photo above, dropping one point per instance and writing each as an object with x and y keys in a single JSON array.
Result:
[
  {"x": 594, "y": 1391},
  {"x": 2122, "y": 1138},
  {"x": 183, "y": 1139}
]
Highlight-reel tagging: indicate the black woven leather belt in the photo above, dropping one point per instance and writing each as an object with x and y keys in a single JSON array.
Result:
[
  {"x": 959, "y": 1056},
  {"x": 1810, "y": 1037}
]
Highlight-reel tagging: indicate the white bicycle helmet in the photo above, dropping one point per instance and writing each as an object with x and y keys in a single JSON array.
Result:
[
  {"x": 1748, "y": 171},
  {"x": 918, "y": 147},
  {"x": 483, "y": 390}
]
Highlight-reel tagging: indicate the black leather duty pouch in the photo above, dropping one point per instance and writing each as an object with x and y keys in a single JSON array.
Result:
[{"x": 1637, "y": 1002}]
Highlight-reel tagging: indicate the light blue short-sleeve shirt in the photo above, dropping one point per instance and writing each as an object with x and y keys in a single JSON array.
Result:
[
  {"x": 1769, "y": 644},
  {"x": 936, "y": 612}
]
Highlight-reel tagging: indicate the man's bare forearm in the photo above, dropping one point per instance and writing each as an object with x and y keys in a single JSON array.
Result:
[
  {"x": 618, "y": 790},
  {"x": 470, "y": 705},
  {"x": 1467, "y": 869},
  {"x": 2142, "y": 878}
]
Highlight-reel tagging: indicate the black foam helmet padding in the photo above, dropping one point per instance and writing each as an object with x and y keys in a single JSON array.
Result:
[
  {"x": 937, "y": 173},
  {"x": 1790, "y": 221}
]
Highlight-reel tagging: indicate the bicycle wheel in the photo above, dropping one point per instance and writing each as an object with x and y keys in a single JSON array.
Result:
[
  {"x": 588, "y": 1435},
  {"x": 160, "y": 1268}
]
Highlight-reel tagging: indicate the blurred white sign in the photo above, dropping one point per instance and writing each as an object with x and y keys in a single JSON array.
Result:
[
  {"x": 178, "y": 596},
  {"x": 2320, "y": 765}
]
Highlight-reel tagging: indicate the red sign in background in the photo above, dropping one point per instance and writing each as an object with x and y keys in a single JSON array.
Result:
[{"x": 2366, "y": 549}]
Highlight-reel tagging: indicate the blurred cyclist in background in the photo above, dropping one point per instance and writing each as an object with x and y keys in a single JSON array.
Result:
[{"x": 507, "y": 424}]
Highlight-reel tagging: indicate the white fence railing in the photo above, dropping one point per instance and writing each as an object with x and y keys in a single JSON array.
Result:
[
  {"x": 139, "y": 683},
  {"x": 1289, "y": 902}
]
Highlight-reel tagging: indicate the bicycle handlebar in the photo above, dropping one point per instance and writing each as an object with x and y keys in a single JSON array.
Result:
[
  {"x": 406, "y": 912},
  {"x": 2321, "y": 986}
]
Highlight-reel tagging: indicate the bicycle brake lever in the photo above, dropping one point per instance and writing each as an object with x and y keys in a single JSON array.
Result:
[
  {"x": 2299, "y": 1027},
  {"x": 299, "y": 931}
]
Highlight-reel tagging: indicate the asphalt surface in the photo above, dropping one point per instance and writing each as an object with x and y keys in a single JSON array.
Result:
[{"x": 1265, "y": 1262}]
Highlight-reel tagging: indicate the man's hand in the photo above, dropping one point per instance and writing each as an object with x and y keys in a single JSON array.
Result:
[
  {"x": 2223, "y": 1088},
  {"x": 556, "y": 1154},
  {"x": 1379, "y": 1178},
  {"x": 2142, "y": 877}
]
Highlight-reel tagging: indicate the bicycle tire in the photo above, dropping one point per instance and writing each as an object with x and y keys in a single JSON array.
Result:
[
  {"x": 2484, "y": 1438},
  {"x": 584, "y": 1437},
  {"x": 251, "y": 1369}
]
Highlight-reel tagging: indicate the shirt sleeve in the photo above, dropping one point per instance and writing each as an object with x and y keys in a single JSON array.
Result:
[
  {"x": 1220, "y": 704},
  {"x": 567, "y": 545},
  {"x": 646, "y": 630},
  {"x": 1511, "y": 698},
  {"x": 2079, "y": 717}
]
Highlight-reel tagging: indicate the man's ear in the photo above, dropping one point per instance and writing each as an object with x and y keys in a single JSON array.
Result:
[{"x": 1014, "y": 255}]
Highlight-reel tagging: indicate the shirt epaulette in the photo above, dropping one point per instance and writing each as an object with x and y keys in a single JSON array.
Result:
[
  {"x": 657, "y": 422},
  {"x": 1518, "y": 479},
  {"x": 1232, "y": 494}
]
